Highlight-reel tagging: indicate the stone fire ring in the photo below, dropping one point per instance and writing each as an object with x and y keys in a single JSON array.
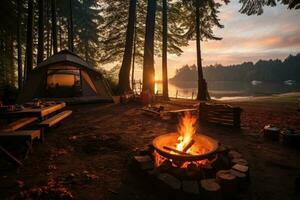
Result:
[{"x": 211, "y": 145}]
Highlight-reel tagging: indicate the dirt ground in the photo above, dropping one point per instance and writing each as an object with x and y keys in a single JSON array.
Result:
[{"x": 88, "y": 155}]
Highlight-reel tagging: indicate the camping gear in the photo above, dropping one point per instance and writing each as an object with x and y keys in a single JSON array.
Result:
[{"x": 66, "y": 77}]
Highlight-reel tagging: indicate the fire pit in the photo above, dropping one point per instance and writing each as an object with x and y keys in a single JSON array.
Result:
[
  {"x": 193, "y": 163},
  {"x": 186, "y": 146}
]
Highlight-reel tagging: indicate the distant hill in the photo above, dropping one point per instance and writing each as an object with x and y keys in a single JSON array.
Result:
[{"x": 263, "y": 70}]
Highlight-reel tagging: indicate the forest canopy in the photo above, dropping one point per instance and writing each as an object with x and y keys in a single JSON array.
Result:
[{"x": 262, "y": 70}]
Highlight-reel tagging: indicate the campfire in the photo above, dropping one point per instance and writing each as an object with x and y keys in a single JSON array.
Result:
[{"x": 186, "y": 147}]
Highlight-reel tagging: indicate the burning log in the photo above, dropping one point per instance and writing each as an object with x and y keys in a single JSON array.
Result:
[
  {"x": 188, "y": 146},
  {"x": 175, "y": 150}
]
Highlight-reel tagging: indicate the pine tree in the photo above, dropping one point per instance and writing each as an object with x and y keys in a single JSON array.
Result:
[
  {"x": 29, "y": 40},
  {"x": 40, "y": 55},
  {"x": 124, "y": 83},
  {"x": 164, "y": 49},
  {"x": 148, "y": 66},
  {"x": 54, "y": 25}
]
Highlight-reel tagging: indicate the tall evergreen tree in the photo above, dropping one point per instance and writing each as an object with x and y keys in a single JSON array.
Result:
[
  {"x": 19, "y": 45},
  {"x": 200, "y": 18},
  {"x": 202, "y": 85},
  {"x": 54, "y": 26},
  {"x": 164, "y": 50},
  {"x": 148, "y": 66},
  {"x": 70, "y": 27},
  {"x": 29, "y": 39},
  {"x": 40, "y": 55},
  {"x": 124, "y": 83}
]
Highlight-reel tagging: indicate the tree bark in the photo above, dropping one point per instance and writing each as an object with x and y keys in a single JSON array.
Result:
[
  {"x": 40, "y": 55},
  {"x": 165, "y": 50},
  {"x": 148, "y": 66},
  {"x": 202, "y": 86},
  {"x": 29, "y": 38},
  {"x": 133, "y": 58},
  {"x": 19, "y": 46},
  {"x": 124, "y": 74},
  {"x": 54, "y": 26},
  {"x": 48, "y": 29},
  {"x": 70, "y": 28}
]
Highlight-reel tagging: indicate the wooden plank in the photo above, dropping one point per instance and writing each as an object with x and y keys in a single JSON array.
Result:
[
  {"x": 36, "y": 112},
  {"x": 8, "y": 156},
  {"x": 55, "y": 119},
  {"x": 48, "y": 110},
  {"x": 150, "y": 111},
  {"x": 19, "y": 124},
  {"x": 24, "y": 134},
  {"x": 182, "y": 110}
]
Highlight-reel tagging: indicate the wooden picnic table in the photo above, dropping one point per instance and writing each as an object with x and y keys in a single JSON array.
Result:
[{"x": 41, "y": 113}]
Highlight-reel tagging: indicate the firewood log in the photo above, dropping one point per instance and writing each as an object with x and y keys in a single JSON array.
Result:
[
  {"x": 228, "y": 183},
  {"x": 210, "y": 189}
]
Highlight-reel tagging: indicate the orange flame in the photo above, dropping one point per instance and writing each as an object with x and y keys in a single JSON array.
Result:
[{"x": 187, "y": 130}]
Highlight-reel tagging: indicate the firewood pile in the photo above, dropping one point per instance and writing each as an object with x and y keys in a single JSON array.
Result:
[
  {"x": 220, "y": 114},
  {"x": 225, "y": 178}
]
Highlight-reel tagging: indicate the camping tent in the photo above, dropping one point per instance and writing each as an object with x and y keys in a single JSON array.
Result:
[{"x": 67, "y": 77}]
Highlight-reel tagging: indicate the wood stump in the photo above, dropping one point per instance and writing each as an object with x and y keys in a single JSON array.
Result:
[
  {"x": 228, "y": 183},
  {"x": 240, "y": 161},
  {"x": 242, "y": 179},
  {"x": 210, "y": 189},
  {"x": 271, "y": 133},
  {"x": 241, "y": 168}
]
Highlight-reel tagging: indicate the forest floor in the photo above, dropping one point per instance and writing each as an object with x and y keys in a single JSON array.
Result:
[{"x": 87, "y": 156}]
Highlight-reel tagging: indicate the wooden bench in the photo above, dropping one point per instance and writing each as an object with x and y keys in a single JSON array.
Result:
[
  {"x": 20, "y": 123},
  {"x": 48, "y": 123},
  {"x": 24, "y": 135},
  {"x": 220, "y": 114}
]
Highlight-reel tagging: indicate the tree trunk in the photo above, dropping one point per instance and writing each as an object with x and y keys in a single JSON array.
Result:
[
  {"x": 202, "y": 86},
  {"x": 165, "y": 50},
  {"x": 60, "y": 33},
  {"x": 133, "y": 56},
  {"x": 19, "y": 46},
  {"x": 29, "y": 38},
  {"x": 40, "y": 55},
  {"x": 124, "y": 75},
  {"x": 70, "y": 28},
  {"x": 148, "y": 67},
  {"x": 54, "y": 26},
  {"x": 48, "y": 29}
]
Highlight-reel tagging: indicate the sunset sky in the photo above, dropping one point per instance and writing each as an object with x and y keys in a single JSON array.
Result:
[{"x": 274, "y": 34}]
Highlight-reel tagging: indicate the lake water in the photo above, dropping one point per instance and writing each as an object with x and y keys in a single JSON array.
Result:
[{"x": 229, "y": 89}]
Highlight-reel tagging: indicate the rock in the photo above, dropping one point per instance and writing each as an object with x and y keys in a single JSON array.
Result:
[
  {"x": 169, "y": 180},
  {"x": 191, "y": 187},
  {"x": 144, "y": 162}
]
